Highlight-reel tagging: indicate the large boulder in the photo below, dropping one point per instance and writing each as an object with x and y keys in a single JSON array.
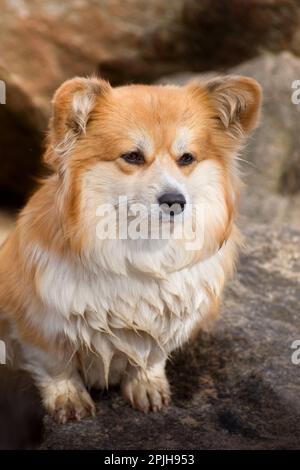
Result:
[
  {"x": 271, "y": 169},
  {"x": 234, "y": 388},
  {"x": 43, "y": 43}
]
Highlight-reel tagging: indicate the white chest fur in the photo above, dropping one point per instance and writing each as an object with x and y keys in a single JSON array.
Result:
[{"x": 142, "y": 316}]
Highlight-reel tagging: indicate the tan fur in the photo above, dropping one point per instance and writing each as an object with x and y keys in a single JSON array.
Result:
[{"x": 67, "y": 298}]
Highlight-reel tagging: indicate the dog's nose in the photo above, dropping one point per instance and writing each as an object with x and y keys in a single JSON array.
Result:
[{"x": 172, "y": 203}]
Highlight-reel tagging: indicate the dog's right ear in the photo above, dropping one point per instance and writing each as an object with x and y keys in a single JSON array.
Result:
[{"x": 72, "y": 106}]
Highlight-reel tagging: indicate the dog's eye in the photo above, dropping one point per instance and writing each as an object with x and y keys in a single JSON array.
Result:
[
  {"x": 134, "y": 158},
  {"x": 186, "y": 159}
]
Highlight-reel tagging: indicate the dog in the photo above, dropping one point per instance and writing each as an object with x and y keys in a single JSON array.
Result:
[{"x": 79, "y": 310}]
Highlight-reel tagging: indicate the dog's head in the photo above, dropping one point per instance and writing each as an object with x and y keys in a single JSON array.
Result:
[{"x": 165, "y": 148}]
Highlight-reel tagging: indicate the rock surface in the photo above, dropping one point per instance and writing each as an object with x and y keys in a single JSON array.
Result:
[
  {"x": 272, "y": 169},
  {"x": 235, "y": 388}
]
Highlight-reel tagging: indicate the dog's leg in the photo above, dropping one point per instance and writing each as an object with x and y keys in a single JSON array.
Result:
[
  {"x": 63, "y": 392},
  {"x": 147, "y": 390}
]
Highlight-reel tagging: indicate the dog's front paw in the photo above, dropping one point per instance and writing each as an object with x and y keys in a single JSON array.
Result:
[
  {"x": 65, "y": 402},
  {"x": 147, "y": 392}
]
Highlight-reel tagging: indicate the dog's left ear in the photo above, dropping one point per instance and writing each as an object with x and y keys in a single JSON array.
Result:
[{"x": 236, "y": 101}]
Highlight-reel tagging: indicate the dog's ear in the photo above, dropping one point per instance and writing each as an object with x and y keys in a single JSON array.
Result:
[
  {"x": 237, "y": 102},
  {"x": 72, "y": 105}
]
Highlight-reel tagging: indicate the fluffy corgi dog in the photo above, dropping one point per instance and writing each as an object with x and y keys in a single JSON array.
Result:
[{"x": 79, "y": 309}]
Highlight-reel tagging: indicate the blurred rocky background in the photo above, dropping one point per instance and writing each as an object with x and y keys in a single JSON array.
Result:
[
  {"x": 127, "y": 41},
  {"x": 44, "y": 43}
]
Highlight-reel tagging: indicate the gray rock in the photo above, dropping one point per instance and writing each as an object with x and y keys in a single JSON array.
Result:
[
  {"x": 234, "y": 388},
  {"x": 272, "y": 169}
]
